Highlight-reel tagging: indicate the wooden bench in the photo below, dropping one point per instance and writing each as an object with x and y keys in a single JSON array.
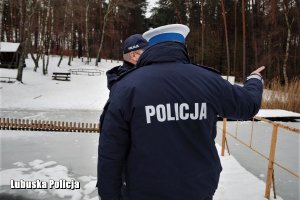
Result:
[
  {"x": 65, "y": 76},
  {"x": 7, "y": 79}
]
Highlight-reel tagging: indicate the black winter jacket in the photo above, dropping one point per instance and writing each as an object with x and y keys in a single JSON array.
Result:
[{"x": 160, "y": 124}]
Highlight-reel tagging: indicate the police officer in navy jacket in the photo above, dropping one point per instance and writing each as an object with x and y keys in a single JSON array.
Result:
[
  {"x": 160, "y": 123},
  {"x": 132, "y": 48}
]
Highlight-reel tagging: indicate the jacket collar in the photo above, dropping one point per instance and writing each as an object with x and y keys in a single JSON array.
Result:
[
  {"x": 114, "y": 74},
  {"x": 164, "y": 52}
]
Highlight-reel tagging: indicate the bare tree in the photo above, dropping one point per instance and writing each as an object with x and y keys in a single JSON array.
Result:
[
  {"x": 253, "y": 35},
  {"x": 235, "y": 36},
  {"x": 226, "y": 37},
  {"x": 1, "y": 14},
  {"x": 288, "y": 39},
  {"x": 26, "y": 43},
  {"x": 109, "y": 9},
  {"x": 49, "y": 41},
  {"x": 63, "y": 38},
  {"x": 45, "y": 39},
  {"x": 244, "y": 39},
  {"x": 70, "y": 43},
  {"x": 202, "y": 31},
  {"x": 38, "y": 40},
  {"x": 87, "y": 31}
]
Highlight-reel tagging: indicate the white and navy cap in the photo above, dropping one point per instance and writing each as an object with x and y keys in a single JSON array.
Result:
[
  {"x": 133, "y": 43},
  {"x": 171, "y": 32}
]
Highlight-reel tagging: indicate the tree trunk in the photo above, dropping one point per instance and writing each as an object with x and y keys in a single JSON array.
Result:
[
  {"x": 202, "y": 32},
  {"x": 35, "y": 60},
  {"x": 1, "y": 14},
  {"x": 70, "y": 43},
  {"x": 21, "y": 21},
  {"x": 288, "y": 39},
  {"x": 38, "y": 44},
  {"x": 62, "y": 46},
  {"x": 87, "y": 32},
  {"x": 254, "y": 43},
  {"x": 226, "y": 38},
  {"x": 244, "y": 39},
  {"x": 45, "y": 39},
  {"x": 49, "y": 40},
  {"x": 26, "y": 43},
  {"x": 235, "y": 38},
  {"x": 109, "y": 9}
]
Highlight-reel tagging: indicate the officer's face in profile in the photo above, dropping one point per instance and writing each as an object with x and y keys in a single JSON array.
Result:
[{"x": 135, "y": 55}]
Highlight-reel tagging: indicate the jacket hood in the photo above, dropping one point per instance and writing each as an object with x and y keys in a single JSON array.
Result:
[{"x": 164, "y": 52}]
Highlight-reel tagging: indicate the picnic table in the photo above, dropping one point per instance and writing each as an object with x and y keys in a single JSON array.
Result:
[
  {"x": 7, "y": 79},
  {"x": 65, "y": 76},
  {"x": 89, "y": 72}
]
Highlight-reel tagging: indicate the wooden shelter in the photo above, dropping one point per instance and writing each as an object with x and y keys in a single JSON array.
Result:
[{"x": 9, "y": 55}]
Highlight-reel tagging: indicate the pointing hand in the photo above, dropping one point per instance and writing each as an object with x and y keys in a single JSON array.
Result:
[{"x": 257, "y": 71}]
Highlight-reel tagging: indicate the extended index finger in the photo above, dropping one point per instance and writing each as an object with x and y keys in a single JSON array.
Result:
[{"x": 260, "y": 69}]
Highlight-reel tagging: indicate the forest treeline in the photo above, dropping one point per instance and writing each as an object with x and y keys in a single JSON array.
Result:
[{"x": 233, "y": 36}]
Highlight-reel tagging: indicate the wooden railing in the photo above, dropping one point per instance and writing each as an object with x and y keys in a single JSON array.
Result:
[
  {"x": 42, "y": 125},
  {"x": 270, "y": 180}
]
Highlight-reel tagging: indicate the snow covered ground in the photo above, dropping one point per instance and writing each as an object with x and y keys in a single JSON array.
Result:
[
  {"x": 41, "y": 92},
  {"x": 52, "y": 155}
]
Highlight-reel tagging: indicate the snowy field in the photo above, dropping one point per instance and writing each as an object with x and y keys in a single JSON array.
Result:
[
  {"x": 52, "y": 155},
  {"x": 41, "y": 92}
]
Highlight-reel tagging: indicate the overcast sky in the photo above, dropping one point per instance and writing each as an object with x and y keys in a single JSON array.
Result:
[{"x": 150, "y": 5}]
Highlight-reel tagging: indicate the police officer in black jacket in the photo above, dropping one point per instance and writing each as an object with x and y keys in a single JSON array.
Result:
[
  {"x": 132, "y": 48},
  {"x": 160, "y": 123}
]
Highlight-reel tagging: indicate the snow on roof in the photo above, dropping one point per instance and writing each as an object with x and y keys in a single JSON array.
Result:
[
  {"x": 276, "y": 113},
  {"x": 9, "y": 46}
]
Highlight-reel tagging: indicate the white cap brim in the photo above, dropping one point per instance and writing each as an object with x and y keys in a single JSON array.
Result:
[{"x": 171, "y": 28}]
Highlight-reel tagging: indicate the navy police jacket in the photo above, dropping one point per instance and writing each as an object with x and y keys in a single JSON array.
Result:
[{"x": 160, "y": 126}]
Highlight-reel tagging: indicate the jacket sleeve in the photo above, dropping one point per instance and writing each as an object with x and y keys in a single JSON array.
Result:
[
  {"x": 113, "y": 148},
  {"x": 237, "y": 102}
]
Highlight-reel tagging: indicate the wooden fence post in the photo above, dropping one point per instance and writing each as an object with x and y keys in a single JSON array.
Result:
[
  {"x": 63, "y": 127},
  {"x": 72, "y": 127},
  {"x": 14, "y": 124},
  {"x": 67, "y": 127},
  {"x": 224, "y": 136},
  {"x": 43, "y": 125},
  {"x": 53, "y": 125},
  {"x": 8, "y": 123},
  {"x": 271, "y": 161},
  {"x": 87, "y": 127},
  {"x": 78, "y": 125}
]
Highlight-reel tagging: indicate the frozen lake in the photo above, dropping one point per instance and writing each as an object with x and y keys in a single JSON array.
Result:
[
  {"x": 49, "y": 155},
  {"x": 287, "y": 153},
  {"x": 68, "y": 115}
]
